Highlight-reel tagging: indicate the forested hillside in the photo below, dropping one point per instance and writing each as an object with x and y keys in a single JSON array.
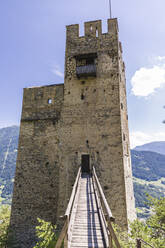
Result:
[
  {"x": 148, "y": 170},
  {"x": 8, "y": 153},
  {"x": 149, "y": 177},
  {"x": 149, "y": 166}
]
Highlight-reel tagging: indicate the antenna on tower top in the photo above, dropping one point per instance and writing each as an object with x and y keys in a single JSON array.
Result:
[{"x": 110, "y": 9}]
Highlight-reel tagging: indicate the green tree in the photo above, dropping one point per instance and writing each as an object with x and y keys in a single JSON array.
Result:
[
  {"x": 152, "y": 231},
  {"x": 4, "y": 225},
  {"x": 46, "y": 234},
  {"x": 156, "y": 222}
]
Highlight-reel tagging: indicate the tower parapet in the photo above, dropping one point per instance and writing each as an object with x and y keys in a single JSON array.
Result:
[{"x": 92, "y": 29}]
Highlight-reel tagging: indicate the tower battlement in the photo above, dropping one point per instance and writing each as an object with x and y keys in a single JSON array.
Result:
[{"x": 92, "y": 29}]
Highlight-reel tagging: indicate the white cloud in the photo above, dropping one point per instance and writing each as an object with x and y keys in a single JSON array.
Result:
[
  {"x": 57, "y": 71},
  {"x": 161, "y": 59},
  {"x": 139, "y": 138},
  {"x": 146, "y": 80}
]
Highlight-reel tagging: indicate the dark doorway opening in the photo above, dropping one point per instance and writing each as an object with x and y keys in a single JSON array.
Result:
[{"x": 85, "y": 164}]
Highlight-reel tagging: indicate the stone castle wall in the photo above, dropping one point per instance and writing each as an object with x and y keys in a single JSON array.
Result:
[{"x": 60, "y": 123}]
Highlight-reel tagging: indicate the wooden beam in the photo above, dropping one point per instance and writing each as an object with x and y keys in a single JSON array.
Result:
[
  {"x": 74, "y": 190},
  {"x": 103, "y": 199},
  {"x": 139, "y": 244},
  {"x": 62, "y": 234},
  {"x": 114, "y": 237},
  {"x": 110, "y": 241}
]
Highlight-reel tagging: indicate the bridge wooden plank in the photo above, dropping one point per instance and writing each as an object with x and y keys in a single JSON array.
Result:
[
  {"x": 89, "y": 245},
  {"x": 85, "y": 227},
  {"x": 87, "y": 232}
]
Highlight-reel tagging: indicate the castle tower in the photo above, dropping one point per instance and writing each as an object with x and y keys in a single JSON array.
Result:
[{"x": 81, "y": 123}]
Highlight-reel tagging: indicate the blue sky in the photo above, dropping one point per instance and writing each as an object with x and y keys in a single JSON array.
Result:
[{"x": 32, "y": 47}]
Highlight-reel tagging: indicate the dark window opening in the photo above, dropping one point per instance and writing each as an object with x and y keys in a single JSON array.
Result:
[
  {"x": 124, "y": 136},
  {"x": 121, "y": 106},
  {"x": 85, "y": 65},
  {"x": 106, "y": 187},
  {"x": 85, "y": 164},
  {"x": 54, "y": 122},
  {"x": 113, "y": 87},
  {"x": 82, "y": 97},
  {"x": 87, "y": 143},
  {"x": 90, "y": 61}
]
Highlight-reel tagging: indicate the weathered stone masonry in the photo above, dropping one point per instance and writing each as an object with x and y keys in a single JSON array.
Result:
[{"x": 60, "y": 123}]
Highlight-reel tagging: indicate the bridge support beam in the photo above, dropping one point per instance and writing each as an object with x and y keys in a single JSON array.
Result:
[{"x": 139, "y": 244}]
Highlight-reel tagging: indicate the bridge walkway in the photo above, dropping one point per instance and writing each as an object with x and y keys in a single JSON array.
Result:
[
  {"x": 86, "y": 226},
  {"x": 88, "y": 218}
]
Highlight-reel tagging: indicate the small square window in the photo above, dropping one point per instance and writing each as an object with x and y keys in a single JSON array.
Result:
[{"x": 49, "y": 101}]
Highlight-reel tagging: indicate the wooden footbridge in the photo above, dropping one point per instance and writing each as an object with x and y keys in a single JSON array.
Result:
[{"x": 88, "y": 218}]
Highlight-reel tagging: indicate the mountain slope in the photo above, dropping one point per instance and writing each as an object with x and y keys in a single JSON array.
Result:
[
  {"x": 149, "y": 178},
  {"x": 147, "y": 165},
  {"x": 158, "y": 146},
  {"x": 8, "y": 154}
]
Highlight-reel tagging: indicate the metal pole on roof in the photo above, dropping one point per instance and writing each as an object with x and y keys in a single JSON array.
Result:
[{"x": 110, "y": 9}]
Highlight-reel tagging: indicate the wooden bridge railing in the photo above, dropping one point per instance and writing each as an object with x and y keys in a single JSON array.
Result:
[
  {"x": 141, "y": 241},
  {"x": 104, "y": 209},
  {"x": 63, "y": 234},
  {"x": 107, "y": 213}
]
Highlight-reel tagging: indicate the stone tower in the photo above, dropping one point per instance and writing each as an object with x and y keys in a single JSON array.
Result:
[{"x": 81, "y": 122}]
